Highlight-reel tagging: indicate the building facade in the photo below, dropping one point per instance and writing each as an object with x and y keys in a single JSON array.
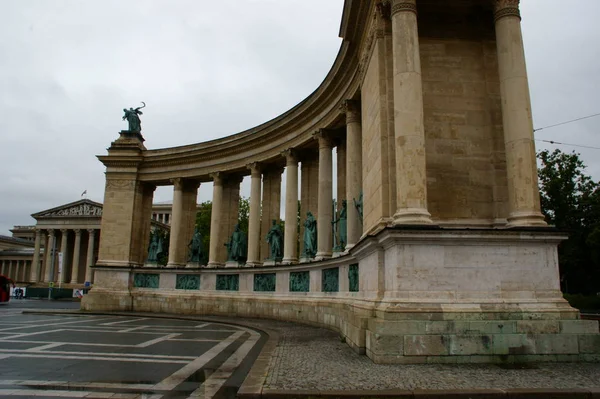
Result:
[{"x": 447, "y": 257}]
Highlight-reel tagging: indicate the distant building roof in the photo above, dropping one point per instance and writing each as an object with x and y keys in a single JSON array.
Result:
[{"x": 17, "y": 241}]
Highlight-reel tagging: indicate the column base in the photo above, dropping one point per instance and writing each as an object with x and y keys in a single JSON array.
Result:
[
  {"x": 520, "y": 219},
  {"x": 175, "y": 265},
  {"x": 254, "y": 264},
  {"x": 289, "y": 261},
  {"x": 192, "y": 265},
  {"x": 214, "y": 265},
  {"x": 322, "y": 256},
  {"x": 412, "y": 216},
  {"x": 232, "y": 264}
]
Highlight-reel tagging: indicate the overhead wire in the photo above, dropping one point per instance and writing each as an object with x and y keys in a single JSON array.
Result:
[{"x": 564, "y": 123}]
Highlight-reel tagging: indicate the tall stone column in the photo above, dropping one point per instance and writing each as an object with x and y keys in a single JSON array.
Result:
[
  {"x": 521, "y": 167},
  {"x": 353, "y": 170},
  {"x": 271, "y": 203},
  {"x": 290, "y": 249},
  {"x": 409, "y": 131},
  {"x": 215, "y": 221},
  {"x": 254, "y": 234},
  {"x": 325, "y": 212},
  {"x": 63, "y": 250},
  {"x": 3, "y": 272},
  {"x": 184, "y": 208},
  {"x": 76, "y": 253},
  {"x": 49, "y": 255},
  {"x": 35, "y": 264},
  {"x": 89, "y": 276}
]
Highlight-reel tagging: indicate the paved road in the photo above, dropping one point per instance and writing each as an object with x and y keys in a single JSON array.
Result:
[{"x": 119, "y": 357}]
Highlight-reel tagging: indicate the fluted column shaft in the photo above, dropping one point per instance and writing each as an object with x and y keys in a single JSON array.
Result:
[
  {"x": 215, "y": 221},
  {"x": 176, "y": 223},
  {"x": 353, "y": 171},
  {"x": 76, "y": 253},
  {"x": 254, "y": 235},
  {"x": 523, "y": 192},
  {"x": 290, "y": 245},
  {"x": 409, "y": 132},
  {"x": 325, "y": 211},
  {"x": 90, "y": 255},
  {"x": 63, "y": 250},
  {"x": 49, "y": 255},
  {"x": 35, "y": 264}
]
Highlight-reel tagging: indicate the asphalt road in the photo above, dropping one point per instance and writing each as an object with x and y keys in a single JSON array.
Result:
[{"x": 49, "y": 356}]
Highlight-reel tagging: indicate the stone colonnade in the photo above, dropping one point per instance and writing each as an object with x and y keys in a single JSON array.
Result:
[
  {"x": 77, "y": 247},
  {"x": 407, "y": 186},
  {"x": 15, "y": 269}
]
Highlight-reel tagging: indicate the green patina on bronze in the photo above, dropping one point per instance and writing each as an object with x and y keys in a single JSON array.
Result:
[
  {"x": 330, "y": 279},
  {"x": 353, "y": 278},
  {"x": 299, "y": 282},
  {"x": 188, "y": 282},
  {"x": 228, "y": 282},
  {"x": 264, "y": 282},
  {"x": 145, "y": 280}
]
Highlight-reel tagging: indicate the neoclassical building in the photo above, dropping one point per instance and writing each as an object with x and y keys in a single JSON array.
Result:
[
  {"x": 71, "y": 232},
  {"x": 447, "y": 258}
]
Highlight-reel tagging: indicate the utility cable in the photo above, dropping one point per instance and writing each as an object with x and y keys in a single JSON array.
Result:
[
  {"x": 564, "y": 123},
  {"x": 572, "y": 145}
]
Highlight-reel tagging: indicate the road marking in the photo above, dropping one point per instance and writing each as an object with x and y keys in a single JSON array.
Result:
[
  {"x": 12, "y": 337},
  {"x": 201, "y": 325},
  {"x": 43, "y": 347},
  {"x": 157, "y": 340},
  {"x": 211, "y": 386},
  {"x": 132, "y": 329},
  {"x": 84, "y": 357},
  {"x": 98, "y": 354},
  {"x": 54, "y": 324},
  {"x": 182, "y": 374},
  {"x": 124, "y": 321},
  {"x": 195, "y": 340}
]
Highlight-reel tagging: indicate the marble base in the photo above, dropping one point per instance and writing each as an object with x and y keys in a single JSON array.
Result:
[
  {"x": 231, "y": 264},
  {"x": 151, "y": 264},
  {"x": 192, "y": 265}
]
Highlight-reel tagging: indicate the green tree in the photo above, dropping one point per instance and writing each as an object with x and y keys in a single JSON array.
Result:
[
  {"x": 203, "y": 223},
  {"x": 570, "y": 200}
]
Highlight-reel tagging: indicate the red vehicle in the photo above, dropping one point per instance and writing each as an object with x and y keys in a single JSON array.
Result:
[{"x": 5, "y": 284}]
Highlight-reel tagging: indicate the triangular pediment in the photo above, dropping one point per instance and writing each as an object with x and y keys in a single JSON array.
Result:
[{"x": 79, "y": 208}]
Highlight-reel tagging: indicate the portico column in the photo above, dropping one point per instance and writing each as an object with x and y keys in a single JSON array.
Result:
[
  {"x": 353, "y": 170},
  {"x": 325, "y": 197},
  {"x": 76, "y": 252},
  {"x": 290, "y": 249},
  {"x": 183, "y": 213},
  {"x": 90, "y": 255},
  {"x": 521, "y": 167},
  {"x": 49, "y": 253},
  {"x": 63, "y": 250},
  {"x": 35, "y": 264},
  {"x": 409, "y": 132},
  {"x": 3, "y": 268},
  {"x": 254, "y": 234},
  {"x": 215, "y": 221}
]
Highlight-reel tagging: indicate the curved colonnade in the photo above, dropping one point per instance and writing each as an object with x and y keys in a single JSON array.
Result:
[{"x": 430, "y": 114}]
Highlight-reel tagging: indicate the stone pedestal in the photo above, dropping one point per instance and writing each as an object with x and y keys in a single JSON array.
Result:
[{"x": 192, "y": 265}]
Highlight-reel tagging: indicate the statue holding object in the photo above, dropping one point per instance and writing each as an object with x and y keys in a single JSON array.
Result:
[{"x": 133, "y": 118}]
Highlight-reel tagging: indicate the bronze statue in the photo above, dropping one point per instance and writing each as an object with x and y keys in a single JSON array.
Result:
[
  {"x": 132, "y": 116},
  {"x": 195, "y": 247},
  {"x": 275, "y": 240},
  {"x": 155, "y": 247},
  {"x": 359, "y": 206},
  {"x": 343, "y": 229},
  {"x": 310, "y": 236},
  {"x": 237, "y": 246}
]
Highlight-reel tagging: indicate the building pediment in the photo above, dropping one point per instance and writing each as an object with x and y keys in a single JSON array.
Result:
[{"x": 74, "y": 209}]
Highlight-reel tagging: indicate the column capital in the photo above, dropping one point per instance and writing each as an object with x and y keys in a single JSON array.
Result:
[
  {"x": 403, "y": 6},
  {"x": 38, "y": 232},
  {"x": 255, "y": 169},
  {"x": 384, "y": 9},
  {"x": 352, "y": 110},
  {"x": 64, "y": 231},
  {"x": 77, "y": 232},
  {"x": 91, "y": 232},
  {"x": 177, "y": 183},
  {"x": 50, "y": 232},
  {"x": 506, "y": 8},
  {"x": 324, "y": 138},
  {"x": 217, "y": 178},
  {"x": 290, "y": 155}
]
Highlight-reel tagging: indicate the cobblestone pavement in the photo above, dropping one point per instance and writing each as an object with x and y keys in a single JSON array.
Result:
[
  {"x": 100, "y": 356},
  {"x": 309, "y": 358}
]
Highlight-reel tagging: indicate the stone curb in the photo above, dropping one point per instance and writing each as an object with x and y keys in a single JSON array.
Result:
[{"x": 254, "y": 381}]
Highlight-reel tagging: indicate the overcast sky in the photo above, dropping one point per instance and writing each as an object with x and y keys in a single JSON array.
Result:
[{"x": 207, "y": 69}]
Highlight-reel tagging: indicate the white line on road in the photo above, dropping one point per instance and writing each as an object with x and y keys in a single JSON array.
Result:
[
  {"x": 211, "y": 386},
  {"x": 98, "y": 354},
  {"x": 124, "y": 321},
  {"x": 182, "y": 374},
  {"x": 12, "y": 337},
  {"x": 55, "y": 324},
  {"x": 132, "y": 329},
  {"x": 157, "y": 340},
  {"x": 43, "y": 347},
  {"x": 85, "y": 357}
]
